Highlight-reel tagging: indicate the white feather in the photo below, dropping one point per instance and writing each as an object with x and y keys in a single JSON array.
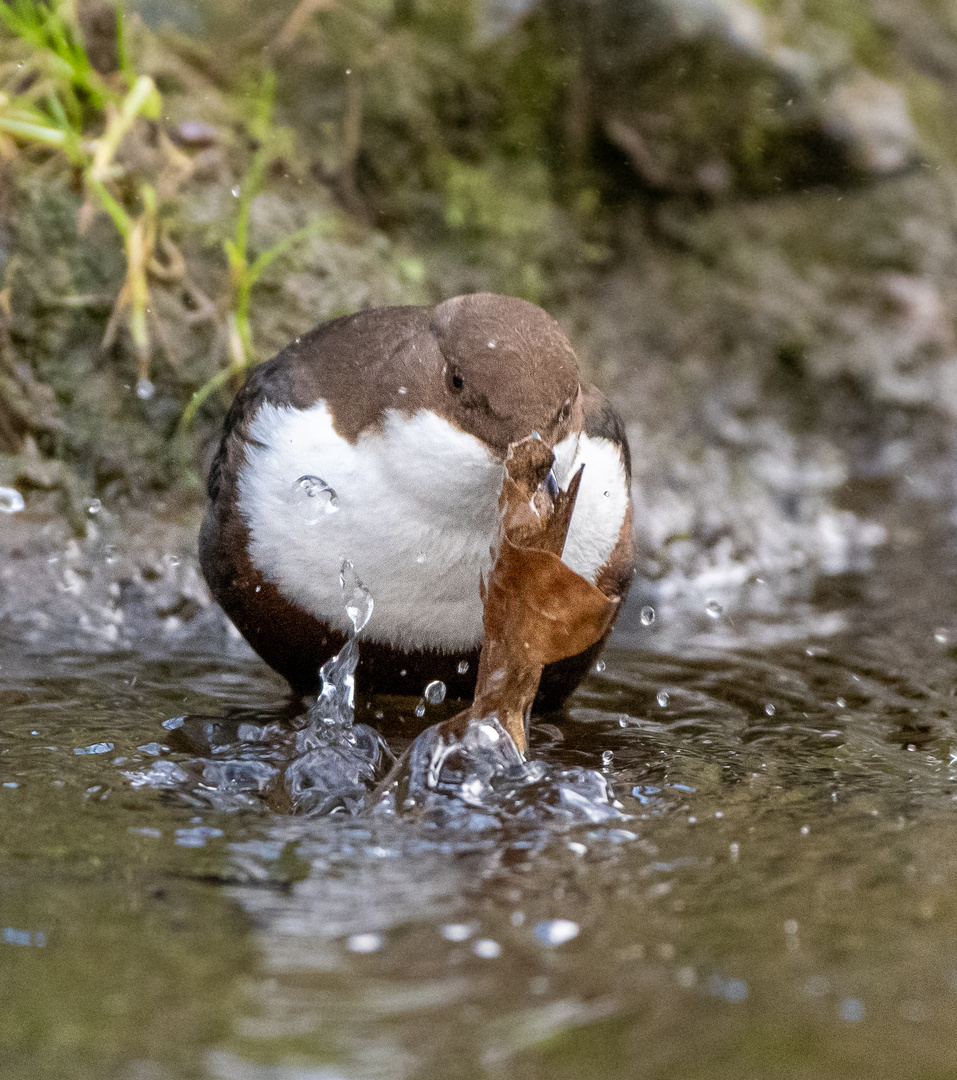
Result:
[
  {"x": 601, "y": 505},
  {"x": 417, "y": 515}
]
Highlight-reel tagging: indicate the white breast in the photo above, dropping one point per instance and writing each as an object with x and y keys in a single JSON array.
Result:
[
  {"x": 602, "y": 502},
  {"x": 417, "y": 514}
]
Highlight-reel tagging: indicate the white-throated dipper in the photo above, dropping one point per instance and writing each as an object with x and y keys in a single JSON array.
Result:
[{"x": 380, "y": 438}]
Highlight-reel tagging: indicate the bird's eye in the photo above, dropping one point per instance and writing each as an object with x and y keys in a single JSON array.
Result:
[{"x": 453, "y": 378}]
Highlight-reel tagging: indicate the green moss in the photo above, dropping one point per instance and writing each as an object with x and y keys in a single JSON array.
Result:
[{"x": 934, "y": 112}]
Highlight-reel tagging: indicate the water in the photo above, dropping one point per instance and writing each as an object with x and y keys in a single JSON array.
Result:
[
  {"x": 314, "y": 499},
  {"x": 434, "y": 692},
  {"x": 774, "y": 897}
]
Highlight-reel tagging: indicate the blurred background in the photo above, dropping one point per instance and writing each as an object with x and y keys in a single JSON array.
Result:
[{"x": 742, "y": 213}]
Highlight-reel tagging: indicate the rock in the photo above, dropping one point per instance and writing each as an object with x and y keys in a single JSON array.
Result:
[
  {"x": 703, "y": 98},
  {"x": 871, "y": 118}
]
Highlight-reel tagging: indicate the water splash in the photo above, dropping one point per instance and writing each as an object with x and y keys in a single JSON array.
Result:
[
  {"x": 325, "y": 763},
  {"x": 337, "y": 761},
  {"x": 479, "y": 780},
  {"x": 358, "y": 599},
  {"x": 321, "y": 763}
]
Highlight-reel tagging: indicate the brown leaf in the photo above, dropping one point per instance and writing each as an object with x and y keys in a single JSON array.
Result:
[{"x": 537, "y": 609}]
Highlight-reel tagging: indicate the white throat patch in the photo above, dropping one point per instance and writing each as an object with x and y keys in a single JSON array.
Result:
[
  {"x": 601, "y": 505},
  {"x": 417, "y": 514}
]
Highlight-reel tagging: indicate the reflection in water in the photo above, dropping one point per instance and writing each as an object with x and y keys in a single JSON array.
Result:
[{"x": 774, "y": 897}]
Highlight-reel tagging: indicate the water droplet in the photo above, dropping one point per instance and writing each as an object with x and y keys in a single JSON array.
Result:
[
  {"x": 556, "y": 931},
  {"x": 403, "y": 389},
  {"x": 420, "y": 708},
  {"x": 492, "y": 344},
  {"x": 714, "y": 609},
  {"x": 420, "y": 557},
  {"x": 647, "y": 616},
  {"x": 734, "y": 850},
  {"x": 145, "y": 390},
  {"x": 662, "y": 697},
  {"x": 171, "y": 560},
  {"x": 11, "y": 501},
  {"x": 732, "y": 990},
  {"x": 600, "y": 666},
  {"x": 790, "y": 926},
  {"x": 769, "y": 709},
  {"x": 457, "y": 931},
  {"x": 607, "y": 756},
  {"x": 487, "y": 949},
  {"x": 93, "y": 506},
  {"x": 235, "y": 192},
  {"x": 463, "y": 667},
  {"x": 607, "y": 494},
  {"x": 364, "y": 943},
  {"x": 852, "y": 1010},
  {"x": 314, "y": 499},
  {"x": 358, "y": 599},
  {"x": 435, "y": 692},
  {"x": 841, "y": 703}
]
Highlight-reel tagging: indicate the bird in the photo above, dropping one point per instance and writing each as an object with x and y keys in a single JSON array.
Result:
[{"x": 379, "y": 438}]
